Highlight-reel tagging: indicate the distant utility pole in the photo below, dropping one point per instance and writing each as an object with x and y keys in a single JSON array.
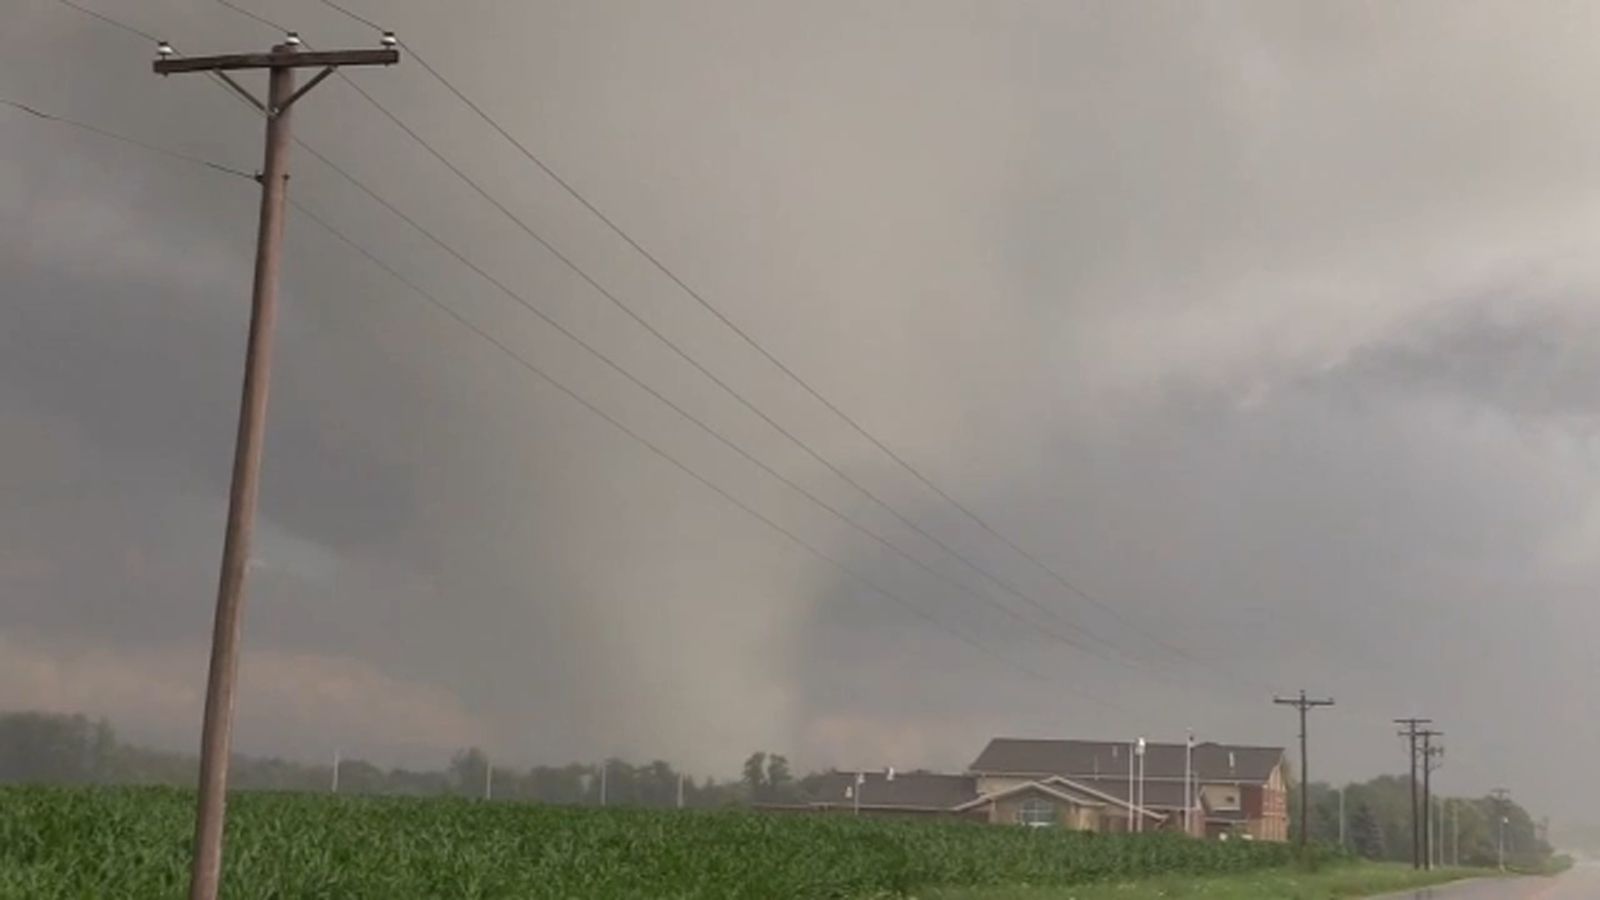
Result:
[
  {"x": 680, "y": 790},
  {"x": 1411, "y": 734},
  {"x": 1432, "y": 756},
  {"x": 1444, "y": 846},
  {"x": 1341, "y": 818},
  {"x": 335, "y": 788},
  {"x": 1501, "y": 797},
  {"x": 1303, "y": 705},
  {"x": 217, "y": 731},
  {"x": 1455, "y": 832},
  {"x": 488, "y": 777}
]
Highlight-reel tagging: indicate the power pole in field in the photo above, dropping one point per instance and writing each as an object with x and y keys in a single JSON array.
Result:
[
  {"x": 1455, "y": 832},
  {"x": 1411, "y": 734},
  {"x": 1304, "y": 705},
  {"x": 217, "y": 730},
  {"x": 1432, "y": 756},
  {"x": 1341, "y": 818}
]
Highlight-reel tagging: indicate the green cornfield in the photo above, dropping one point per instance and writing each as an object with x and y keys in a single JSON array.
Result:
[{"x": 134, "y": 842}]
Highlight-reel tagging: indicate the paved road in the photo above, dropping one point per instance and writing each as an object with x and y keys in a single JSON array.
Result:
[{"x": 1581, "y": 883}]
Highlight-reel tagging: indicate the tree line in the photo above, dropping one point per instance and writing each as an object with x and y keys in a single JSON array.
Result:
[
  {"x": 72, "y": 749},
  {"x": 1377, "y": 824}
]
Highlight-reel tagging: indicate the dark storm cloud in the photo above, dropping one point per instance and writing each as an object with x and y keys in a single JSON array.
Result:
[{"x": 1264, "y": 323}]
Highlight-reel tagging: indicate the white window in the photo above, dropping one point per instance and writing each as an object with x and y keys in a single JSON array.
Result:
[{"x": 1036, "y": 813}]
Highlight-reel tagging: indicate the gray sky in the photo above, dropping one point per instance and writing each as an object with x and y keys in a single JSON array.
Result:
[{"x": 1266, "y": 324}]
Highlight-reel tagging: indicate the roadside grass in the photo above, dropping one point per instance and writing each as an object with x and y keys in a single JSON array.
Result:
[{"x": 1328, "y": 883}]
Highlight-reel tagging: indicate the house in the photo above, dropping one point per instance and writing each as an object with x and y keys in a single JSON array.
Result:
[
  {"x": 1237, "y": 790},
  {"x": 1081, "y": 805},
  {"x": 1049, "y": 801}
]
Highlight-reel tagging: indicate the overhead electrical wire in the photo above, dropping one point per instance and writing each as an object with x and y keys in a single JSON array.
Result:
[
  {"x": 699, "y": 298},
  {"x": 644, "y": 385},
  {"x": 566, "y": 260},
  {"x": 1052, "y": 633},
  {"x": 114, "y": 23},
  {"x": 655, "y": 448},
  {"x": 154, "y": 148},
  {"x": 1122, "y": 656}
]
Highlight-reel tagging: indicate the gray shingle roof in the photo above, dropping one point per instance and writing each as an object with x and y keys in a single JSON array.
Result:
[
  {"x": 1108, "y": 759},
  {"x": 910, "y": 790},
  {"x": 1158, "y": 795}
]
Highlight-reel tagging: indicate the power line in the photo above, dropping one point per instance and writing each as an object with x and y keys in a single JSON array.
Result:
[
  {"x": 683, "y": 354},
  {"x": 724, "y": 386},
  {"x": 153, "y": 148},
  {"x": 808, "y": 494},
  {"x": 1052, "y": 633},
  {"x": 1089, "y": 633},
  {"x": 749, "y": 339},
  {"x": 250, "y": 15},
  {"x": 363, "y": 20},
  {"x": 124, "y": 26},
  {"x": 663, "y": 454},
  {"x": 215, "y": 78},
  {"x": 638, "y": 382},
  {"x": 613, "y": 421},
  {"x": 653, "y": 392},
  {"x": 635, "y": 380}
]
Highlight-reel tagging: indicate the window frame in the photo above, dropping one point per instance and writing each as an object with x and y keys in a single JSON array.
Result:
[{"x": 1028, "y": 813}]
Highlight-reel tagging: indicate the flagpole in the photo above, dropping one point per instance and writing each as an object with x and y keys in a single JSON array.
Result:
[{"x": 1188, "y": 785}]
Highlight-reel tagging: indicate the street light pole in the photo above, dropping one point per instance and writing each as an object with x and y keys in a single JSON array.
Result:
[
  {"x": 1141, "y": 784},
  {"x": 1188, "y": 785},
  {"x": 1501, "y": 795},
  {"x": 1503, "y": 822},
  {"x": 1133, "y": 823}
]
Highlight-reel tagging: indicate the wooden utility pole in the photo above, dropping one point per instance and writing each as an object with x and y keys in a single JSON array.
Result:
[
  {"x": 1303, "y": 705},
  {"x": 217, "y": 730},
  {"x": 1411, "y": 734}
]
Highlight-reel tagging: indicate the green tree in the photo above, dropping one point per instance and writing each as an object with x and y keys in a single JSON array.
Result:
[
  {"x": 469, "y": 770},
  {"x": 1365, "y": 836},
  {"x": 780, "y": 786},
  {"x": 755, "y": 775}
]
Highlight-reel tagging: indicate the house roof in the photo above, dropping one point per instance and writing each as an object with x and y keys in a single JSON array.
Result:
[
  {"x": 1157, "y": 794},
  {"x": 1108, "y": 759},
  {"x": 908, "y": 790},
  {"x": 1061, "y": 788}
]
